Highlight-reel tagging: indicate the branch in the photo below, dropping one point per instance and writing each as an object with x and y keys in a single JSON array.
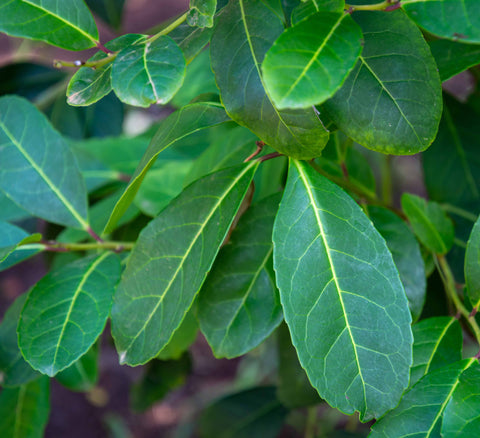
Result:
[{"x": 387, "y": 5}]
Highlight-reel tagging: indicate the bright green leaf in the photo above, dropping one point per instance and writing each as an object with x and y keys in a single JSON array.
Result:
[
  {"x": 66, "y": 312},
  {"x": 309, "y": 62},
  {"x": 472, "y": 266},
  {"x": 201, "y": 13},
  {"x": 239, "y": 306},
  {"x": 148, "y": 72},
  {"x": 310, "y": 7},
  {"x": 429, "y": 222},
  {"x": 391, "y": 102},
  {"x": 24, "y": 410},
  {"x": 342, "y": 297},
  {"x": 179, "y": 125},
  {"x": 48, "y": 182},
  {"x": 237, "y": 48},
  {"x": 69, "y": 25},
  {"x": 179, "y": 246}
]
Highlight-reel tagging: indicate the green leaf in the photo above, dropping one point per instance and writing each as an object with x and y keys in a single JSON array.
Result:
[
  {"x": 82, "y": 375},
  {"x": 342, "y": 297},
  {"x": 437, "y": 343},
  {"x": 308, "y": 8},
  {"x": 429, "y": 222},
  {"x": 420, "y": 411},
  {"x": 13, "y": 368},
  {"x": 452, "y": 19},
  {"x": 24, "y": 410},
  {"x": 452, "y": 58},
  {"x": 66, "y": 312},
  {"x": 159, "y": 379},
  {"x": 461, "y": 418},
  {"x": 177, "y": 126},
  {"x": 201, "y": 13},
  {"x": 11, "y": 239},
  {"x": 406, "y": 254},
  {"x": 239, "y": 43},
  {"x": 309, "y": 62},
  {"x": 69, "y": 25},
  {"x": 391, "y": 102},
  {"x": 149, "y": 71},
  {"x": 9, "y": 211},
  {"x": 191, "y": 40},
  {"x": 254, "y": 413},
  {"x": 48, "y": 182},
  {"x": 239, "y": 306},
  {"x": 88, "y": 85},
  {"x": 179, "y": 246},
  {"x": 110, "y": 11},
  {"x": 472, "y": 266}
]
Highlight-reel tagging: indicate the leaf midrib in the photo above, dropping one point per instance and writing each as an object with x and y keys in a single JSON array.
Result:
[
  {"x": 19, "y": 410},
  {"x": 437, "y": 344}
]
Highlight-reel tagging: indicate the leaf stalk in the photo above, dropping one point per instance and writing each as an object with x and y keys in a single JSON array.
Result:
[{"x": 388, "y": 5}]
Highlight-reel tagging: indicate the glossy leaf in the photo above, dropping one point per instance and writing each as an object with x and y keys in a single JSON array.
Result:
[
  {"x": 239, "y": 306},
  {"x": 88, "y": 85},
  {"x": 254, "y": 413},
  {"x": 342, "y": 297},
  {"x": 148, "y": 72},
  {"x": 437, "y": 343},
  {"x": 66, "y": 312},
  {"x": 24, "y": 410},
  {"x": 11, "y": 237},
  {"x": 406, "y": 254},
  {"x": 48, "y": 182},
  {"x": 420, "y": 410},
  {"x": 13, "y": 368},
  {"x": 201, "y": 13},
  {"x": 452, "y": 19},
  {"x": 68, "y": 25},
  {"x": 179, "y": 125},
  {"x": 309, "y": 62},
  {"x": 238, "y": 46},
  {"x": 429, "y": 222},
  {"x": 472, "y": 265},
  {"x": 390, "y": 102},
  {"x": 179, "y": 246}
]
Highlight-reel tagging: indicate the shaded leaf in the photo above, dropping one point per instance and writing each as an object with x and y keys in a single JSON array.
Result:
[
  {"x": 110, "y": 11},
  {"x": 48, "y": 182},
  {"x": 191, "y": 40},
  {"x": 179, "y": 246},
  {"x": 391, "y": 102},
  {"x": 472, "y": 266},
  {"x": 66, "y": 312},
  {"x": 201, "y": 13},
  {"x": 342, "y": 297},
  {"x": 239, "y": 43},
  {"x": 12, "y": 250}
]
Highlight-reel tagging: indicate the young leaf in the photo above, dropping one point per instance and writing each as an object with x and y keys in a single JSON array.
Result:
[
  {"x": 421, "y": 408},
  {"x": 342, "y": 297},
  {"x": 429, "y": 222},
  {"x": 201, "y": 13},
  {"x": 69, "y": 25},
  {"x": 148, "y": 72},
  {"x": 406, "y": 254},
  {"x": 452, "y": 19},
  {"x": 437, "y": 343},
  {"x": 309, "y": 62},
  {"x": 178, "y": 247},
  {"x": 239, "y": 306},
  {"x": 24, "y": 410},
  {"x": 239, "y": 43},
  {"x": 66, "y": 312},
  {"x": 391, "y": 102},
  {"x": 48, "y": 182},
  {"x": 472, "y": 266},
  {"x": 177, "y": 126}
]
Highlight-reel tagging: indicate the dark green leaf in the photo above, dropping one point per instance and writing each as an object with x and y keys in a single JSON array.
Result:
[
  {"x": 310, "y": 7},
  {"x": 254, "y": 413},
  {"x": 406, "y": 254},
  {"x": 9, "y": 211},
  {"x": 179, "y": 125},
  {"x": 68, "y": 25},
  {"x": 201, "y": 13},
  {"x": 239, "y": 306},
  {"x": 391, "y": 102},
  {"x": 429, "y": 222},
  {"x": 13, "y": 368},
  {"x": 179, "y": 246},
  {"x": 66, "y": 312},
  {"x": 24, "y": 410},
  {"x": 48, "y": 182},
  {"x": 191, "y": 40},
  {"x": 342, "y": 297},
  {"x": 149, "y": 71},
  {"x": 238, "y": 45},
  {"x": 110, "y": 11},
  {"x": 309, "y": 62},
  {"x": 437, "y": 343},
  {"x": 472, "y": 266},
  {"x": 11, "y": 253},
  {"x": 452, "y": 19}
]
